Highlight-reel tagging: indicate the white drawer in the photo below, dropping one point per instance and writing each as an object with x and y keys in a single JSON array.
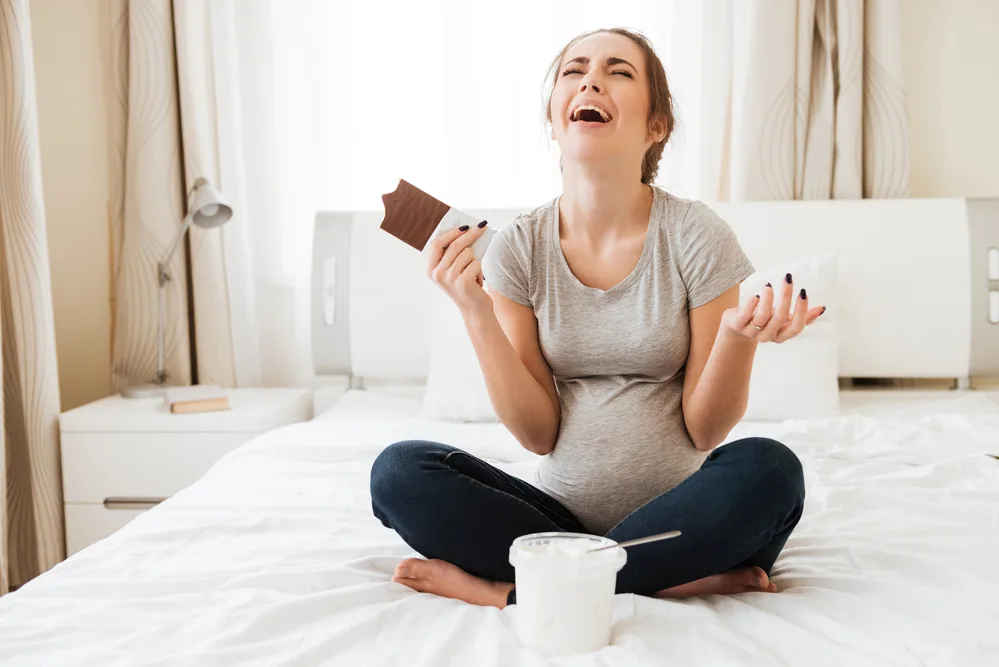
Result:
[
  {"x": 87, "y": 523},
  {"x": 99, "y": 466}
]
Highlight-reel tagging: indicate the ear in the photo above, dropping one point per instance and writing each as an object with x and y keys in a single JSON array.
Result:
[{"x": 657, "y": 129}]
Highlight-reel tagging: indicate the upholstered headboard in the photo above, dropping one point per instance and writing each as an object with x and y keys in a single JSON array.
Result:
[{"x": 913, "y": 298}]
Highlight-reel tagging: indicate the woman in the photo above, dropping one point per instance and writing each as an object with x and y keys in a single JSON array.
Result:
[{"x": 614, "y": 346}]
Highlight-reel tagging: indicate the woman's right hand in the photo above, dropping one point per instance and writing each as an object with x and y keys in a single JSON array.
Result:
[{"x": 452, "y": 265}]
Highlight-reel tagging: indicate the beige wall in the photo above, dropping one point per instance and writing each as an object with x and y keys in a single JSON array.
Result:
[
  {"x": 70, "y": 43},
  {"x": 950, "y": 53},
  {"x": 951, "y": 69}
]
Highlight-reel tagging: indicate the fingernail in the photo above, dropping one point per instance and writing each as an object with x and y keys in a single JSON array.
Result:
[
  {"x": 823, "y": 311},
  {"x": 483, "y": 224},
  {"x": 803, "y": 294},
  {"x": 757, "y": 296},
  {"x": 463, "y": 228},
  {"x": 787, "y": 279},
  {"x": 769, "y": 285}
]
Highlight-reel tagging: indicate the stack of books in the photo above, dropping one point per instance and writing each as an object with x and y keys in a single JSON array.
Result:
[{"x": 196, "y": 398}]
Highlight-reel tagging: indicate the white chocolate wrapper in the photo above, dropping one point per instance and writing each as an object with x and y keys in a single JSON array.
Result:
[{"x": 455, "y": 218}]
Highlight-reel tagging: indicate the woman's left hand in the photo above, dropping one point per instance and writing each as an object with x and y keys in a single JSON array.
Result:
[{"x": 758, "y": 318}]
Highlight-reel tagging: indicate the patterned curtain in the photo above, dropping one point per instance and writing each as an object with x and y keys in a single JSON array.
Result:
[
  {"x": 804, "y": 100},
  {"x": 164, "y": 129},
  {"x": 147, "y": 193},
  {"x": 30, "y": 480}
]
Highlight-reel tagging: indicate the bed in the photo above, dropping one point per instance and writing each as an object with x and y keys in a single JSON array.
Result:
[{"x": 273, "y": 557}]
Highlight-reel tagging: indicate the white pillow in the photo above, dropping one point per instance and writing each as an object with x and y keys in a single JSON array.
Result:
[
  {"x": 456, "y": 388},
  {"x": 798, "y": 379}
]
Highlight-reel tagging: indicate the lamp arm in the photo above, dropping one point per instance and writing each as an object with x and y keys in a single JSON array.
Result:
[
  {"x": 163, "y": 274},
  {"x": 162, "y": 278}
]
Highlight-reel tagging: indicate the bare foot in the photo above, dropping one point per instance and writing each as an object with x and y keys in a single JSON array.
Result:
[
  {"x": 450, "y": 581},
  {"x": 745, "y": 580}
]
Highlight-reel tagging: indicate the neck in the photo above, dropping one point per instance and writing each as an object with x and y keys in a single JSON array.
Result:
[{"x": 602, "y": 202}]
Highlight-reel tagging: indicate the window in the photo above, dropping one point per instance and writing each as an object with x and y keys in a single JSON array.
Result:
[{"x": 446, "y": 94}]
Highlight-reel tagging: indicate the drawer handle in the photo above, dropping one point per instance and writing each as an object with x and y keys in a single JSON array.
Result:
[{"x": 131, "y": 503}]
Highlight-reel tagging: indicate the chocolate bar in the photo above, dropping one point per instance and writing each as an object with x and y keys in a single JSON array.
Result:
[{"x": 415, "y": 217}]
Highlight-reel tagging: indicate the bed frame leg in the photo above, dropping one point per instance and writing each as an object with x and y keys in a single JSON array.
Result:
[{"x": 962, "y": 384}]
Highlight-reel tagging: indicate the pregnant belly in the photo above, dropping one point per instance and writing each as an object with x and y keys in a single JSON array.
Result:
[{"x": 620, "y": 445}]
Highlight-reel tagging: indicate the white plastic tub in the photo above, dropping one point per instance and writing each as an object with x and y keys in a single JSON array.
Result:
[{"x": 565, "y": 594}]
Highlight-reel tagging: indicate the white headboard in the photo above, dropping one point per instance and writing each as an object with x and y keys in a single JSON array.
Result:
[{"x": 913, "y": 293}]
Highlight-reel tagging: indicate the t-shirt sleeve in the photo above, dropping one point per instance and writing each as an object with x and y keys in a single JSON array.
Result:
[
  {"x": 711, "y": 259},
  {"x": 506, "y": 264}
]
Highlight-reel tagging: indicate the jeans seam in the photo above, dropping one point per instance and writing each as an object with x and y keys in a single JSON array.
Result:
[{"x": 518, "y": 499}]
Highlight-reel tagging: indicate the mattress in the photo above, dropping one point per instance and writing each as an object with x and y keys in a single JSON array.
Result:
[{"x": 274, "y": 558}]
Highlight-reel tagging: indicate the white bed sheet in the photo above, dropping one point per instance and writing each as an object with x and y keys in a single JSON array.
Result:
[{"x": 273, "y": 558}]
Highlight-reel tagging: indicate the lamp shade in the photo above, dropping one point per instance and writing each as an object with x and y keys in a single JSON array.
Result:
[{"x": 208, "y": 207}]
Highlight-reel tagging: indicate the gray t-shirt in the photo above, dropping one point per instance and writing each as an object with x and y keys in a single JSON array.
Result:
[{"x": 618, "y": 355}]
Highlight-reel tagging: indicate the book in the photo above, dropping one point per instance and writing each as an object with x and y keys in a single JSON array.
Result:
[{"x": 196, "y": 398}]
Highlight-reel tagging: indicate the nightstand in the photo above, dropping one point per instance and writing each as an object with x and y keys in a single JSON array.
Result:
[{"x": 121, "y": 456}]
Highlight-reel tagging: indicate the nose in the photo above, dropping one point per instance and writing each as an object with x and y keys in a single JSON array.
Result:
[{"x": 590, "y": 82}]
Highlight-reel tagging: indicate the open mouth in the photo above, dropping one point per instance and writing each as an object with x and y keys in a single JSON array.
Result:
[{"x": 590, "y": 114}]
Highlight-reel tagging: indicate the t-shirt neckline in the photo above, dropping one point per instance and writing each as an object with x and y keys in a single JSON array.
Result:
[{"x": 636, "y": 272}]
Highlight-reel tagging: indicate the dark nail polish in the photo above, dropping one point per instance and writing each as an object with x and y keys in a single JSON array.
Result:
[
  {"x": 787, "y": 279},
  {"x": 802, "y": 293},
  {"x": 757, "y": 296},
  {"x": 769, "y": 285},
  {"x": 823, "y": 311},
  {"x": 463, "y": 228},
  {"x": 483, "y": 224}
]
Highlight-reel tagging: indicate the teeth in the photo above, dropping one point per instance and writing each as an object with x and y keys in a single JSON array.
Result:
[{"x": 603, "y": 114}]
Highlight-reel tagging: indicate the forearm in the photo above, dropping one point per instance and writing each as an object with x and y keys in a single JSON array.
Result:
[
  {"x": 527, "y": 410},
  {"x": 718, "y": 400}
]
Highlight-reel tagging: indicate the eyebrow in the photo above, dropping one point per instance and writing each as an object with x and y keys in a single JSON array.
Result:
[
  {"x": 620, "y": 61},
  {"x": 613, "y": 60}
]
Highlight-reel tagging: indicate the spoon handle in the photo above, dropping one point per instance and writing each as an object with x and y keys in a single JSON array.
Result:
[{"x": 642, "y": 540}]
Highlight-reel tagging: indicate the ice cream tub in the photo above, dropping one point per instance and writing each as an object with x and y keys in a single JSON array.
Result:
[{"x": 565, "y": 591}]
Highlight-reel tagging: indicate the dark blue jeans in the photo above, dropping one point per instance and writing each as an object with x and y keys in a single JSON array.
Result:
[{"x": 737, "y": 510}]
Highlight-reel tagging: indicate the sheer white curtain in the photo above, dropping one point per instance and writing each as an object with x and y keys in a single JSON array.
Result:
[{"x": 330, "y": 103}]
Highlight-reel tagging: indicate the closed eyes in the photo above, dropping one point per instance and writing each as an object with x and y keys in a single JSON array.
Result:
[{"x": 574, "y": 70}]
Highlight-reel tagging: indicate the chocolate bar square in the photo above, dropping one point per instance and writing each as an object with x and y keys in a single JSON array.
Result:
[{"x": 411, "y": 215}]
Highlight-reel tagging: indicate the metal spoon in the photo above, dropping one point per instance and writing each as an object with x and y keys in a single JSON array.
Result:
[{"x": 641, "y": 540}]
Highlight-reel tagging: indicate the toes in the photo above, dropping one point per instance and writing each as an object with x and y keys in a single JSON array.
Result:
[
  {"x": 760, "y": 581},
  {"x": 411, "y": 568},
  {"x": 418, "y": 585},
  {"x": 414, "y": 573},
  {"x": 418, "y": 569},
  {"x": 403, "y": 569}
]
